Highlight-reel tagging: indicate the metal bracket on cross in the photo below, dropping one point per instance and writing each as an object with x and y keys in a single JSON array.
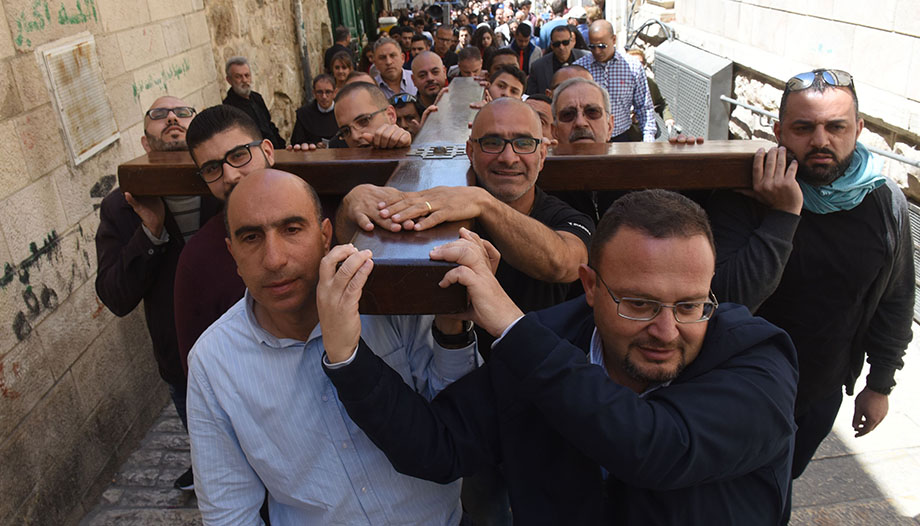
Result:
[{"x": 439, "y": 151}]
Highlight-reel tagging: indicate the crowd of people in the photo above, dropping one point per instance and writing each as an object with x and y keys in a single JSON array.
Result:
[{"x": 608, "y": 370}]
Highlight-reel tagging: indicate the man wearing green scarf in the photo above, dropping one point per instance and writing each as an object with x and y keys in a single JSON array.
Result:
[{"x": 821, "y": 247}]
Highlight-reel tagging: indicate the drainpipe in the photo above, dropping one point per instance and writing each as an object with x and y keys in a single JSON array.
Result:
[{"x": 301, "y": 31}]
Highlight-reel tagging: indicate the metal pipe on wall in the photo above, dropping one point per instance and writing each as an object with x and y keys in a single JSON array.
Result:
[{"x": 301, "y": 30}]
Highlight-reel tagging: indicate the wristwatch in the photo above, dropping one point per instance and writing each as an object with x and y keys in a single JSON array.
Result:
[{"x": 453, "y": 341}]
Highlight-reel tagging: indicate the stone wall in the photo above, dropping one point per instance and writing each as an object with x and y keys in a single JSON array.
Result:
[
  {"x": 78, "y": 387},
  {"x": 264, "y": 32}
]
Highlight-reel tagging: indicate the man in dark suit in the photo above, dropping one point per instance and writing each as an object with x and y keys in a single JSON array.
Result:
[
  {"x": 643, "y": 402},
  {"x": 562, "y": 43}
]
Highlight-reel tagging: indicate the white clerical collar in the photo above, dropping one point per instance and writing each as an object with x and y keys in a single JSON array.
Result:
[{"x": 321, "y": 110}]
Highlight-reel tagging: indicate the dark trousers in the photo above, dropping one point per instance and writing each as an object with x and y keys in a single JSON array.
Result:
[
  {"x": 177, "y": 392},
  {"x": 814, "y": 424}
]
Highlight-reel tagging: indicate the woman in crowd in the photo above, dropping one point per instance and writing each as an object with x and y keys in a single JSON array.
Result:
[{"x": 342, "y": 65}]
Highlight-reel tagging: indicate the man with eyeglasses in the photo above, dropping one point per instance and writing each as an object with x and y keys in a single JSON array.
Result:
[
  {"x": 316, "y": 120},
  {"x": 366, "y": 119},
  {"x": 226, "y": 146},
  {"x": 623, "y": 79},
  {"x": 643, "y": 402},
  {"x": 138, "y": 243},
  {"x": 822, "y": 248},
  {"x": 444, "y": 45},
  {"x": 562, "y": 44}
]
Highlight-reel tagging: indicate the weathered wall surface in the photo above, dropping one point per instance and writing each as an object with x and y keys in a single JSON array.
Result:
[
  {"x": 264, "y": 32},
  {"x": 78, "y": 387}
]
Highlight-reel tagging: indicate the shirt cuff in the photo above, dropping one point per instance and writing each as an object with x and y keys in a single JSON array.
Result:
[
  {"x": 157, "y": 241},
  {"x": 462, "y": 359},
  {"x": 340, "y": 364},
  {"x": 508, "y": 328}
]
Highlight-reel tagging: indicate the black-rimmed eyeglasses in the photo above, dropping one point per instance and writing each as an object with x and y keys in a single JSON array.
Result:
[
  {"x": 237, "y": 157},
  {"x": 182, "y": 112},
  {"x": 496, "y": 144},
  {"x": 642, "y": 309}
]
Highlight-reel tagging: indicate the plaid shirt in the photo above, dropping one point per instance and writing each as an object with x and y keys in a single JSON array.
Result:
[{"x": 627, "y": 85}]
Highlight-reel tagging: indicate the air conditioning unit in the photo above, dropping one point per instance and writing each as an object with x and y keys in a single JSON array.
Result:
[{"x": 691, "y": 81}]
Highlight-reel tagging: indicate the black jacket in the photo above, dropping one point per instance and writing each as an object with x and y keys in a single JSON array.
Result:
[
  {"x": 132, "y": 268},
  {"x": 255, "y": 107},
  {"x": 713, "y": 447}
]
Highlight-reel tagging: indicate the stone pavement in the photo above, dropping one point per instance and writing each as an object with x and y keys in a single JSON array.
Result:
[{"x": 873, "y": 480}]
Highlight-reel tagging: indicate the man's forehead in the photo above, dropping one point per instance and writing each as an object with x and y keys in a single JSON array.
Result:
[
  {"x": 168, "y": 102},
  {"x": 386, "y": 49},
  {"x": 812, "y": 105},
  {"x": 356, "y": 102},
  {"x": 226, "y": 140},
  {"x": 239, "y": 68},
  {"x": 580, "y": 95},
  {"x": 505, "y": 117}
]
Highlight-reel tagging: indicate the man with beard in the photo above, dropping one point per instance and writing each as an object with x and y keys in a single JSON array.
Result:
[
  {"x": 240, "y": 95},
  {"x": 822, "y": 248},
  {"x": 642, "y": 402},
  {"x": 138, "y": 243},
  {"x": 429, "y": 77}
]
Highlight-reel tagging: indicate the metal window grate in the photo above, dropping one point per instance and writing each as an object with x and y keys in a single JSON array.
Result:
[
  {"x": 915, "y": 235},
  {"x": 78, "y": 91}
]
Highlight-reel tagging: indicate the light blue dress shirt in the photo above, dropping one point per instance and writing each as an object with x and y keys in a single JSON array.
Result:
[{"x": 262, "y": 414}]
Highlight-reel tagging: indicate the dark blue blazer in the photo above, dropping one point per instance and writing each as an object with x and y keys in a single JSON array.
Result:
[{"x": 713, "y": 447}]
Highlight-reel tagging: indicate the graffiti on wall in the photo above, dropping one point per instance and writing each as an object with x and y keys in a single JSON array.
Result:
[
  {"x": 43, "y": 15},
  {"x": 161, "y": 81}
]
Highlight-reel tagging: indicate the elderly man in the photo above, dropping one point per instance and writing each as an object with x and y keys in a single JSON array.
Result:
[
  {"x": 642, "y": 402},
  {"x": 240, "y": 95},
  {"x": 429, "y": 77},
  {"x": 623, "y": 79},
  {"x": 391, "y": 77},
  {"x": 824, "y": 251},
  {"x": 562, "y": 43},
  {"x": 138, "y": 243},
  {"x": 264, "y": 418}
]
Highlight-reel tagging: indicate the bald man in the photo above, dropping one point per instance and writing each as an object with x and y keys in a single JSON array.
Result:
[
  {"x": 138, "y": 244},
  {"x": 429, "y": 76},
  {"x": 266, "y": 352},
  {"x": 563, "y": 74},
  {"x": 623, "y": 79}
]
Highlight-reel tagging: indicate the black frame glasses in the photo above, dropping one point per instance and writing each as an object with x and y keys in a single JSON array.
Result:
[
  {"x": 642, "y": 309},
  {"x": 570, "y": 113},
  {"x": 558, "y": 43},
  {"x": 182, "y": 112},
  {"x": 237, "y": 157},
  {"x": 495, "y": 145},
  {"x": 361, "y": 121},
  {"x": 831, "y": 77}
]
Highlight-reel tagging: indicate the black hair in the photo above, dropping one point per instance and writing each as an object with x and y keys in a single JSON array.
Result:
[
  {"x": 217, "y": 119},
  {"x": 510, "y": 70},
  {"x": 469, "y": 52},
  {"x": 342, "y": 33},
  {"x": 524, "y": 30},
  {"x": 819, "y": 85}
]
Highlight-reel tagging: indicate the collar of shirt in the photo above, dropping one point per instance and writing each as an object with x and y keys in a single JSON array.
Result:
[
  {"x": 596, "y": 357},
  {"x": 327, "y": 110},
  {"x": 266, "y": 338}
]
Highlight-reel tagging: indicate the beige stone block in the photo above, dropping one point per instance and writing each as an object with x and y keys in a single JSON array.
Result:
[
  {"x": 30, "y": 215},
  {"x": 125, "y": 105},
  {"x": 70, "y": 329},
  {"x": 36, "y": 22},
  {"x": 6, "y": 40},
  {"x": 913, "y": 77},
  {"x": 13, "y": 173},
  {"x": 96, "y": 368},
  {"x": 131, "y": 140},
  {"x": 731, "y": 21},
  {"x": 197, "y": 25},
  {"x": 24, "y": 380},
  {"x": 141, "y": 46},
  {"x": 75, "y": 188},
  {"x": 167, "y": 77},
  {"x": 109, "y": 52},
  {"x": 122, "y": 14},
  {"x": 868, "y": 66},
  {"x": 10, "y": 103},
  {"x": 197, "y": 5},
  {"x": 160, "y": 9},
  {"x": 879, "y": 14},
  {"x": 907, "y": 17},
  {"x": 30, "y": 81},
  {"x": 745, "y": 22},
  {"x": 40, "y": 137},
  {"x": 770, "y": 31},
  {"x": 212, "y": 94},
  {"x": 175, "y": 35},
  {"x": 821, "y": 43},
  {"x": 182, "y": 73}
]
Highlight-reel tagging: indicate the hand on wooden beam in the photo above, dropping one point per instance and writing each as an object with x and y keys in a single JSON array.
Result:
[
  {"x": 337, "y": 293},
  {"x": 361, "y": 207},
  {"x": 305, "y": 147},
  {"x": 441, "y": 204},
  {"x": 490, "y": 306},
  {"x": 151, "y": 210},
  {"x": 386, "y": 137},
  {"x": 774, "y": 182}
]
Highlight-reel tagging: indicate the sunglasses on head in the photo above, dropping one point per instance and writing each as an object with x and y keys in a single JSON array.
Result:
[
  {"x": 561, "y": 43},
  {"x": 401, "y": 98},
  {"x": 831, "y": 77}
]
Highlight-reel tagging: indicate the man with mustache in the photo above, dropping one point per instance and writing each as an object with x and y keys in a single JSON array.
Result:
[
  {"x": 822, "y": 248},
  {"x": 241, "y": 96},
  {"x": 429, "y": 77},
  {"x": 138, "y": 243}
]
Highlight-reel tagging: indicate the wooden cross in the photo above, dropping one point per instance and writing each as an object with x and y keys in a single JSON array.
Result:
[{"x": 404, "y": 280}]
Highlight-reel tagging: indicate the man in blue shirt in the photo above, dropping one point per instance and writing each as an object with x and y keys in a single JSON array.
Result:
[{"x": 264, "y": 417}]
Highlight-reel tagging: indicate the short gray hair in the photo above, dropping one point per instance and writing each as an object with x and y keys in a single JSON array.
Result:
[
  {"x": 382, "y": 41},
  {"x": 235, "y": 61},
  {"x": 575, "y": 81}
]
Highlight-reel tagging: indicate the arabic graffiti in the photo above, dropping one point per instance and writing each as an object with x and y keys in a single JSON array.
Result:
[
  {"x": 170, "y": 72},
  {"x": 41, "y": 18}
]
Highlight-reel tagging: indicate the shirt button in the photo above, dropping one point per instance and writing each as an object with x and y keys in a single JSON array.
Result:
[
  {"x": 325, "y": 398},
  {"x": 150, "y": 251},
  {"x": 344, "y": 445},
  {"x": 363, "y": 490}
]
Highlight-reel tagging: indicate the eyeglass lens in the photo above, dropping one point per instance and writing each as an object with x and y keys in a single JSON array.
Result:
[
  {"x": 161, "y": 113},
  {"x": 237, "y": 158},
  {"x": 521, "y": 145}
]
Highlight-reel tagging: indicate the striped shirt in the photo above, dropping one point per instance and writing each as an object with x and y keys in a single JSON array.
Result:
[
  {"x": 262, "y": 414},
  {"x": 627, "y": 85},
  {"x": 186, "y": 210}
]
